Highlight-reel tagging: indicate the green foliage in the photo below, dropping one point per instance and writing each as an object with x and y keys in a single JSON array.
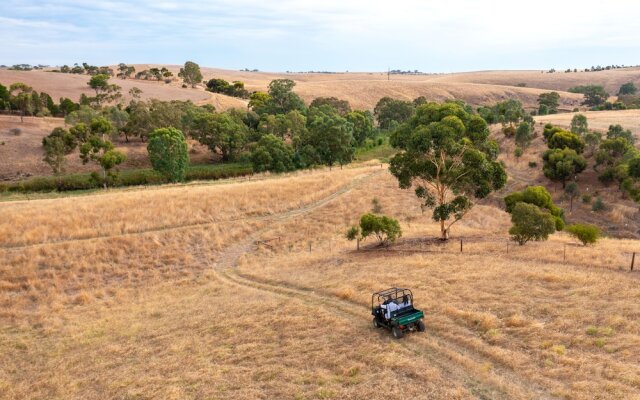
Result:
[
  {"x": 524, "y": 135},
  {"x": 392, "y": 112},
  {"x": 272, "y": 154},
  {"x": 125, "y": 178},
  {"x": 566, "y": 139},
  {"x": 550, "y": 130},
  {"x": 190, "y": 74},
  {"x": 592, "y": 140},
  {"x": 572, "y": 190},
  {"x": 598, "y": 205},
  {"x": 579, "y": 124},
  {"x": 530, "y": 223},
  {"x": 95, "y": 147},
  {"x": 586, "y": 198},
  {"x": 613, "y": 155},
  {"x": 518, "y": 152},
  {"x": 21, "y": 98},
  {"x": 362, "y": 122},
  {"x": 586, "y": 233},
  {"x": 444, "y": 156},
  {"x": 330, "y": 135},
  {"x": 342, "y": 107},
  {"x": 387, "y": 230},
  {"x": 533, "y": 164},
  {"x": 627, "y": 89},
  {"x": 560, "y": 165},
  {"x": 594, "y": 95},
  {"x": 169, "y": 153},
  {"x": 506, "y": 112},
  {"x": 105, "y": 92},
  {"x": 617, "y": 131},
  {"x": 548, "y": 103},
  {"x": 221, "y": 132},
  {"x": 539, "y": 197},
  {"x": 235, "y": 89}
]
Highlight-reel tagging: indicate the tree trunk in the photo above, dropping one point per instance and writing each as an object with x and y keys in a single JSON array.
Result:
[
  {"x": 104, "y": 178},
  {"x": 443, "y": 231}
]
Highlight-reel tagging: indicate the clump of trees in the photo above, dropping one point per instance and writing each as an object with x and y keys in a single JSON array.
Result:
[
  {"x": 446, "y": 154},
  {"x": 533, "y": 214},
  {"x": 564, "y": 159},
  {"x": 594, "y": 95},
  {"x": 548, "y": 103},
  {"x": 539, "y": 197},
  {"x": 385, "y": 229},
  {"x": 235, "y": 89}
]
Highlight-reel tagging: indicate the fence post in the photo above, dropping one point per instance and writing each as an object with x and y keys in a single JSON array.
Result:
[
  {"x": 460, "y": 245},
  {"x": 633, "y": 260},
  {"x": 357, "y": 243}
]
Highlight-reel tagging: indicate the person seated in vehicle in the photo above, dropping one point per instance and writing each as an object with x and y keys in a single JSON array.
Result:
[{"x": 390, "y": 305}]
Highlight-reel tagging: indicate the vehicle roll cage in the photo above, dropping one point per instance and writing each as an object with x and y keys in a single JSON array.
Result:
[{"x": 394, "y": 293}]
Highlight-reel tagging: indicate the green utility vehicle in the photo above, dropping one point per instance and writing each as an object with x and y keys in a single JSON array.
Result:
[{"x": 393, "y": 309}]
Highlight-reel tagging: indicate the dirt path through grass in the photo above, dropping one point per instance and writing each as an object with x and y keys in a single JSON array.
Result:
[{"x": 476, "y": 371}]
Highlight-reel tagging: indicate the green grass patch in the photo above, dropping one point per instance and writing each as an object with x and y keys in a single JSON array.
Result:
[{"x": 382, "y": 152}]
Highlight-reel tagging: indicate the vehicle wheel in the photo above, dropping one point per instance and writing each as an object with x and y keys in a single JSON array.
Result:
[
  {"x": 375, "y": 323},
  {"x": 420, "y": 326},
  {"x": 397, "y": 332}
]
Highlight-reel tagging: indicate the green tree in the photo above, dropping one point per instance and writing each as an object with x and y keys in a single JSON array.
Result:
[
  {"x": 594, "y": 95},
  {"x": 190, "y": 74},
  {"x": 539, "y": 197},
  {"x": 385, "y": 229},
  {"x": 530, "y": 223},
  {"x": 342, "y": 107},
  {"x": 362, "y": 122},
  {"x": 5, "y": 98},
  {"x": 579, "y": 124},
  {"x": 169, "y": 153},
  {"x": 331, "y": 136},
  {"x": 524, "y": 135},
  {"x": 566, "y": 139},
  {"x": 57, "y": 145},
  {"x": 392, "y": 112},
  {"x": 259, "y": 102},
  {"x": 592, "y": 140},
  {"x": 445, "y": 156},
  {"x": 105, "y": 92},
  {"x": 99, "y": 83},
  {"x": 612, "y": 154},
  {"x": 586, "y": 233},
  {"x": 220, "y": 132},
  {"x": 272, "y": 154},
  {"x": 627, "y": 89},
  {"x": 572, "y": 190},
  {"x": 282, "y": 99},
  {"x": 548, "y": 102},
  {"x": 96, "y": 147},
  {"x": 617, "y": 131},
  {"x": 21, "y": 98},
  {"x": 560, "y": 165}
]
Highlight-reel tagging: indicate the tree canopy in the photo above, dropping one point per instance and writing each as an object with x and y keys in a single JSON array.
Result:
[
  {"x": 168, "y": 153},
  {"x": 446, "y": 157}
]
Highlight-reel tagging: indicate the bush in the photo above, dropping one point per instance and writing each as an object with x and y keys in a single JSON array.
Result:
[
  {"x": 518, "y": 152},
  {"x": 598, "y": 205},
  {"x": 386, "y": 229},
  {"x": 586, "y": 198},
  {"x": 586, "y": 233},
  {"x": 509, "y": 131},
  {"x": 530, "y": 223},
  {"x": 533, "y": 164},
  {"x": 538, "y": 196}
]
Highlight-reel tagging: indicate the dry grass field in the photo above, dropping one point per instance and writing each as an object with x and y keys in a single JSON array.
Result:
[
  {"x": 598, "y": 120},
  {"x": 177, "y": 292}
]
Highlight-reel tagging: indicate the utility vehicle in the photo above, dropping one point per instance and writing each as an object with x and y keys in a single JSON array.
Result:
[{"x": 393, "y": 309}]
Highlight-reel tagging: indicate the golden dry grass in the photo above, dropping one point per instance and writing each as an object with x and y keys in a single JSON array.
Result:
[
  {"x": 598, "y": 120},
  {"x": 165, "y": 314}
]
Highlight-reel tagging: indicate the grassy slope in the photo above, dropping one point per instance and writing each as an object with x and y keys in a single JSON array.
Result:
[{"x": 139, "y": 304}]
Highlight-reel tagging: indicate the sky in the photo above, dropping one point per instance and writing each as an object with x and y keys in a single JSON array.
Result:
[{"x": 326, "y": 35}]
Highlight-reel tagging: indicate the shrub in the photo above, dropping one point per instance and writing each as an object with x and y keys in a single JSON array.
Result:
[
  {"x": 387, "y": 230},
  {"x": 533, "y": 164},
  {"x": 530, "y": 223},
  {"x": 272, "y": 154},
  {"x": 586, "y": 198},
  {"x": 586, "y": 233},
  {"x": 538, "y": 196},
  {"x": 598, "y": 205},
  {"x": 509, "y": 131},
  {"x": 518, "y": 152}
]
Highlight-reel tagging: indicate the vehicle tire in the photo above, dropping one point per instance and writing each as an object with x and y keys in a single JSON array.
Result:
[
  {"x": 420, "y": 326},
  {"x": 397, "y": 332},
  {"x": 375, "y": 323}
]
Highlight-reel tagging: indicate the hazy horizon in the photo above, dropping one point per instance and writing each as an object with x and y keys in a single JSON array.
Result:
[{"x": 333, "y": 36}]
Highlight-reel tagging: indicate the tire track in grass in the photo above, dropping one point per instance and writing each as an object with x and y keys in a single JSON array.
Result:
[{"x": 466, "y": 365}]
